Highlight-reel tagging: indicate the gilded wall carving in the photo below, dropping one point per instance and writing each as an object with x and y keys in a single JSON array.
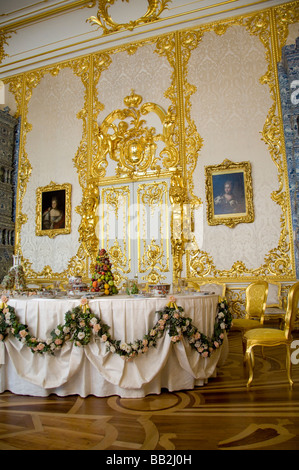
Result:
[
  {"x": 102, "y": 81},
  {"x": 278, "y": 261},
  {"x": 105, "y": 21},
  {"x": 45, "y": 124},
  {"x": 4, "y": 36},
  {"x": 124, "y": 137}
]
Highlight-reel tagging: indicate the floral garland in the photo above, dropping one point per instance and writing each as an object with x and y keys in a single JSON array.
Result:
[{"x": 81, "y": 325}]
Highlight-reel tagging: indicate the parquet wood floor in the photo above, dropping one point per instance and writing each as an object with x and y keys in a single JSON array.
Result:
[{"x": 221, "y": 415}]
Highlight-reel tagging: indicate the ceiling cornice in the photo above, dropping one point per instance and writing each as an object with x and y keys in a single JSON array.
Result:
[{"x": 42, "y": 13}]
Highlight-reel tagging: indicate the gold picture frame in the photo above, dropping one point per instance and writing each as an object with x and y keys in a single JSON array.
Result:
[
  {"x": 53, "y": 210},
  {"x": 229, "y": 193}
]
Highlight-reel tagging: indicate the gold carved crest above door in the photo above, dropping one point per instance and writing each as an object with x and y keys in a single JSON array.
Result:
[{"x": 133, "y": 142}]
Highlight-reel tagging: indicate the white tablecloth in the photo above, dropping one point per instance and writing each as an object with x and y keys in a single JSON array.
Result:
[{"x": 91, "y": 370}]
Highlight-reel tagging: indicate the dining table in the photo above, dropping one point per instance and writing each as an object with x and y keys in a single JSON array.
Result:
[{"x": 94, "y": 370}]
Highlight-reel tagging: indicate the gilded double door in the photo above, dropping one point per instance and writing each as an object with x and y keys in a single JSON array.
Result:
[{"x": 134, "y": 228}]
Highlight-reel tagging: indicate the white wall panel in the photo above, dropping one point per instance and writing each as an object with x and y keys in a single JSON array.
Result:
[{"x": 51, "y": 146}]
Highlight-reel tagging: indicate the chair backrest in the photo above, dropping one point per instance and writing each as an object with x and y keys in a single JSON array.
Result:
[
  {"x": 274, "y": 298},
  {"x": 256, "y": 299},
  {"x": 292, "y": 308},
  {"x": 218, "y": 288}
]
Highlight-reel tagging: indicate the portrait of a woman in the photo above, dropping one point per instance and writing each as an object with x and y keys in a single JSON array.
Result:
[
  {"x": 229, "y": 194},
  {"x": 53, "y": 214}
]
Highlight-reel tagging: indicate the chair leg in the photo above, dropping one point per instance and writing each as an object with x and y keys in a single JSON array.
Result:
[
  {"x": 250, "y": 362},
  {"x": 289, "y": 365},
  {"x": 244, "y": 350}
]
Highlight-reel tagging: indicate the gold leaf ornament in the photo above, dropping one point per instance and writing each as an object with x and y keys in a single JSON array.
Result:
[{"x": 108, "y": 25}]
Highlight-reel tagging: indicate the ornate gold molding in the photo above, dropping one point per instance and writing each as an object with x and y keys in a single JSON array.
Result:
[
  {"x": 182, "y": 144},
  {"x": 284, "y": 15},
  {"x": 108, "y": 25},
  {"x": 279, "y": 262},
  {"x": 23, "y": 87},
  {"x": 4, "y": 36}
]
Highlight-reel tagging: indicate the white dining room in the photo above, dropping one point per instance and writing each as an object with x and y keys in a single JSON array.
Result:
[{"x": 149, "y": 257}]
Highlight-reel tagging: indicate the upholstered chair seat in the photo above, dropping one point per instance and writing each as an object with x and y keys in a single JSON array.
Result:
[{"x": 244, "y": 324}]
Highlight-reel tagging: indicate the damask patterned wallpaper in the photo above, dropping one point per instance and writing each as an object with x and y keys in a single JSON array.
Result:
[
  {"x": 230, "y": 107},
  {"x": 51, "y": 146}
]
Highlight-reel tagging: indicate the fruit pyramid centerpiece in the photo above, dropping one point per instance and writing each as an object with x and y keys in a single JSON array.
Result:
[{"x": 103, "y": 279}]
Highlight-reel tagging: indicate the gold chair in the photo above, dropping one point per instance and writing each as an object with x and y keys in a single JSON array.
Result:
[
  {"x": 256, "y": 297},
  {"x": 274, "y": 337}
]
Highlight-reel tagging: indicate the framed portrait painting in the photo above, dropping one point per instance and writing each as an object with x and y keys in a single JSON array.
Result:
[
  {"x": 53, "y": 210},
  {"x": 229, "y": 193}
]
